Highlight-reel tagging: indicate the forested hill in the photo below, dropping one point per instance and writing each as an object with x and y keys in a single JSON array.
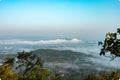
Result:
[
  {"x": 74, "y": 65},
  {"x": 60, "y": 55}
]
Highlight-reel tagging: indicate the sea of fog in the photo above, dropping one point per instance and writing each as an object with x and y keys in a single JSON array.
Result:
[{"x": 14, "y": 45}]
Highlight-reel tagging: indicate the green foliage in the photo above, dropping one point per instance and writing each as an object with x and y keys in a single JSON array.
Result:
[
  {"x": 7, "y": 74},
  {"x": 115, "y": 76},
  {"x": 105, "y": 76},
  {"x": 29, "y": 61},
  {"x": 8, "y": 60},
  {"x": 6, "y": 70},
  {"x": 56, "y": 77},
  {"x": 33, "y": 68},
  {"x": 111, "y": 44},
  {"x": 36, "y": 75},
  {"x": 92, "y": 77}
]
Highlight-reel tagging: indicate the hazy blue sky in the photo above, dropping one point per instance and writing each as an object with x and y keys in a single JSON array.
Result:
[{"x": 85, "y": 18}]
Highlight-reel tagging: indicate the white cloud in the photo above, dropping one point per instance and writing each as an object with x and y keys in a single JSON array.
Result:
[{"x": 56, "y": 41}]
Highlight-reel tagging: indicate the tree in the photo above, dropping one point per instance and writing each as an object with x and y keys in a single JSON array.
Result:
[
  {"x": 33, "y": 66},
  {"x": 105, "y": 76},
  {"x": 26, "y": 66},
  {"x": 111, "y": 44},
  {"x": 6, "y": 71}
]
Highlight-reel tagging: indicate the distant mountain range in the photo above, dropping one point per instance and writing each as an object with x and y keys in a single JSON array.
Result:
[{"x": 75, "y": 65}]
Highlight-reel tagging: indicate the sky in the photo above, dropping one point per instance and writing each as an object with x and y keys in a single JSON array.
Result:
[{"x": 89, "y": 19}]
